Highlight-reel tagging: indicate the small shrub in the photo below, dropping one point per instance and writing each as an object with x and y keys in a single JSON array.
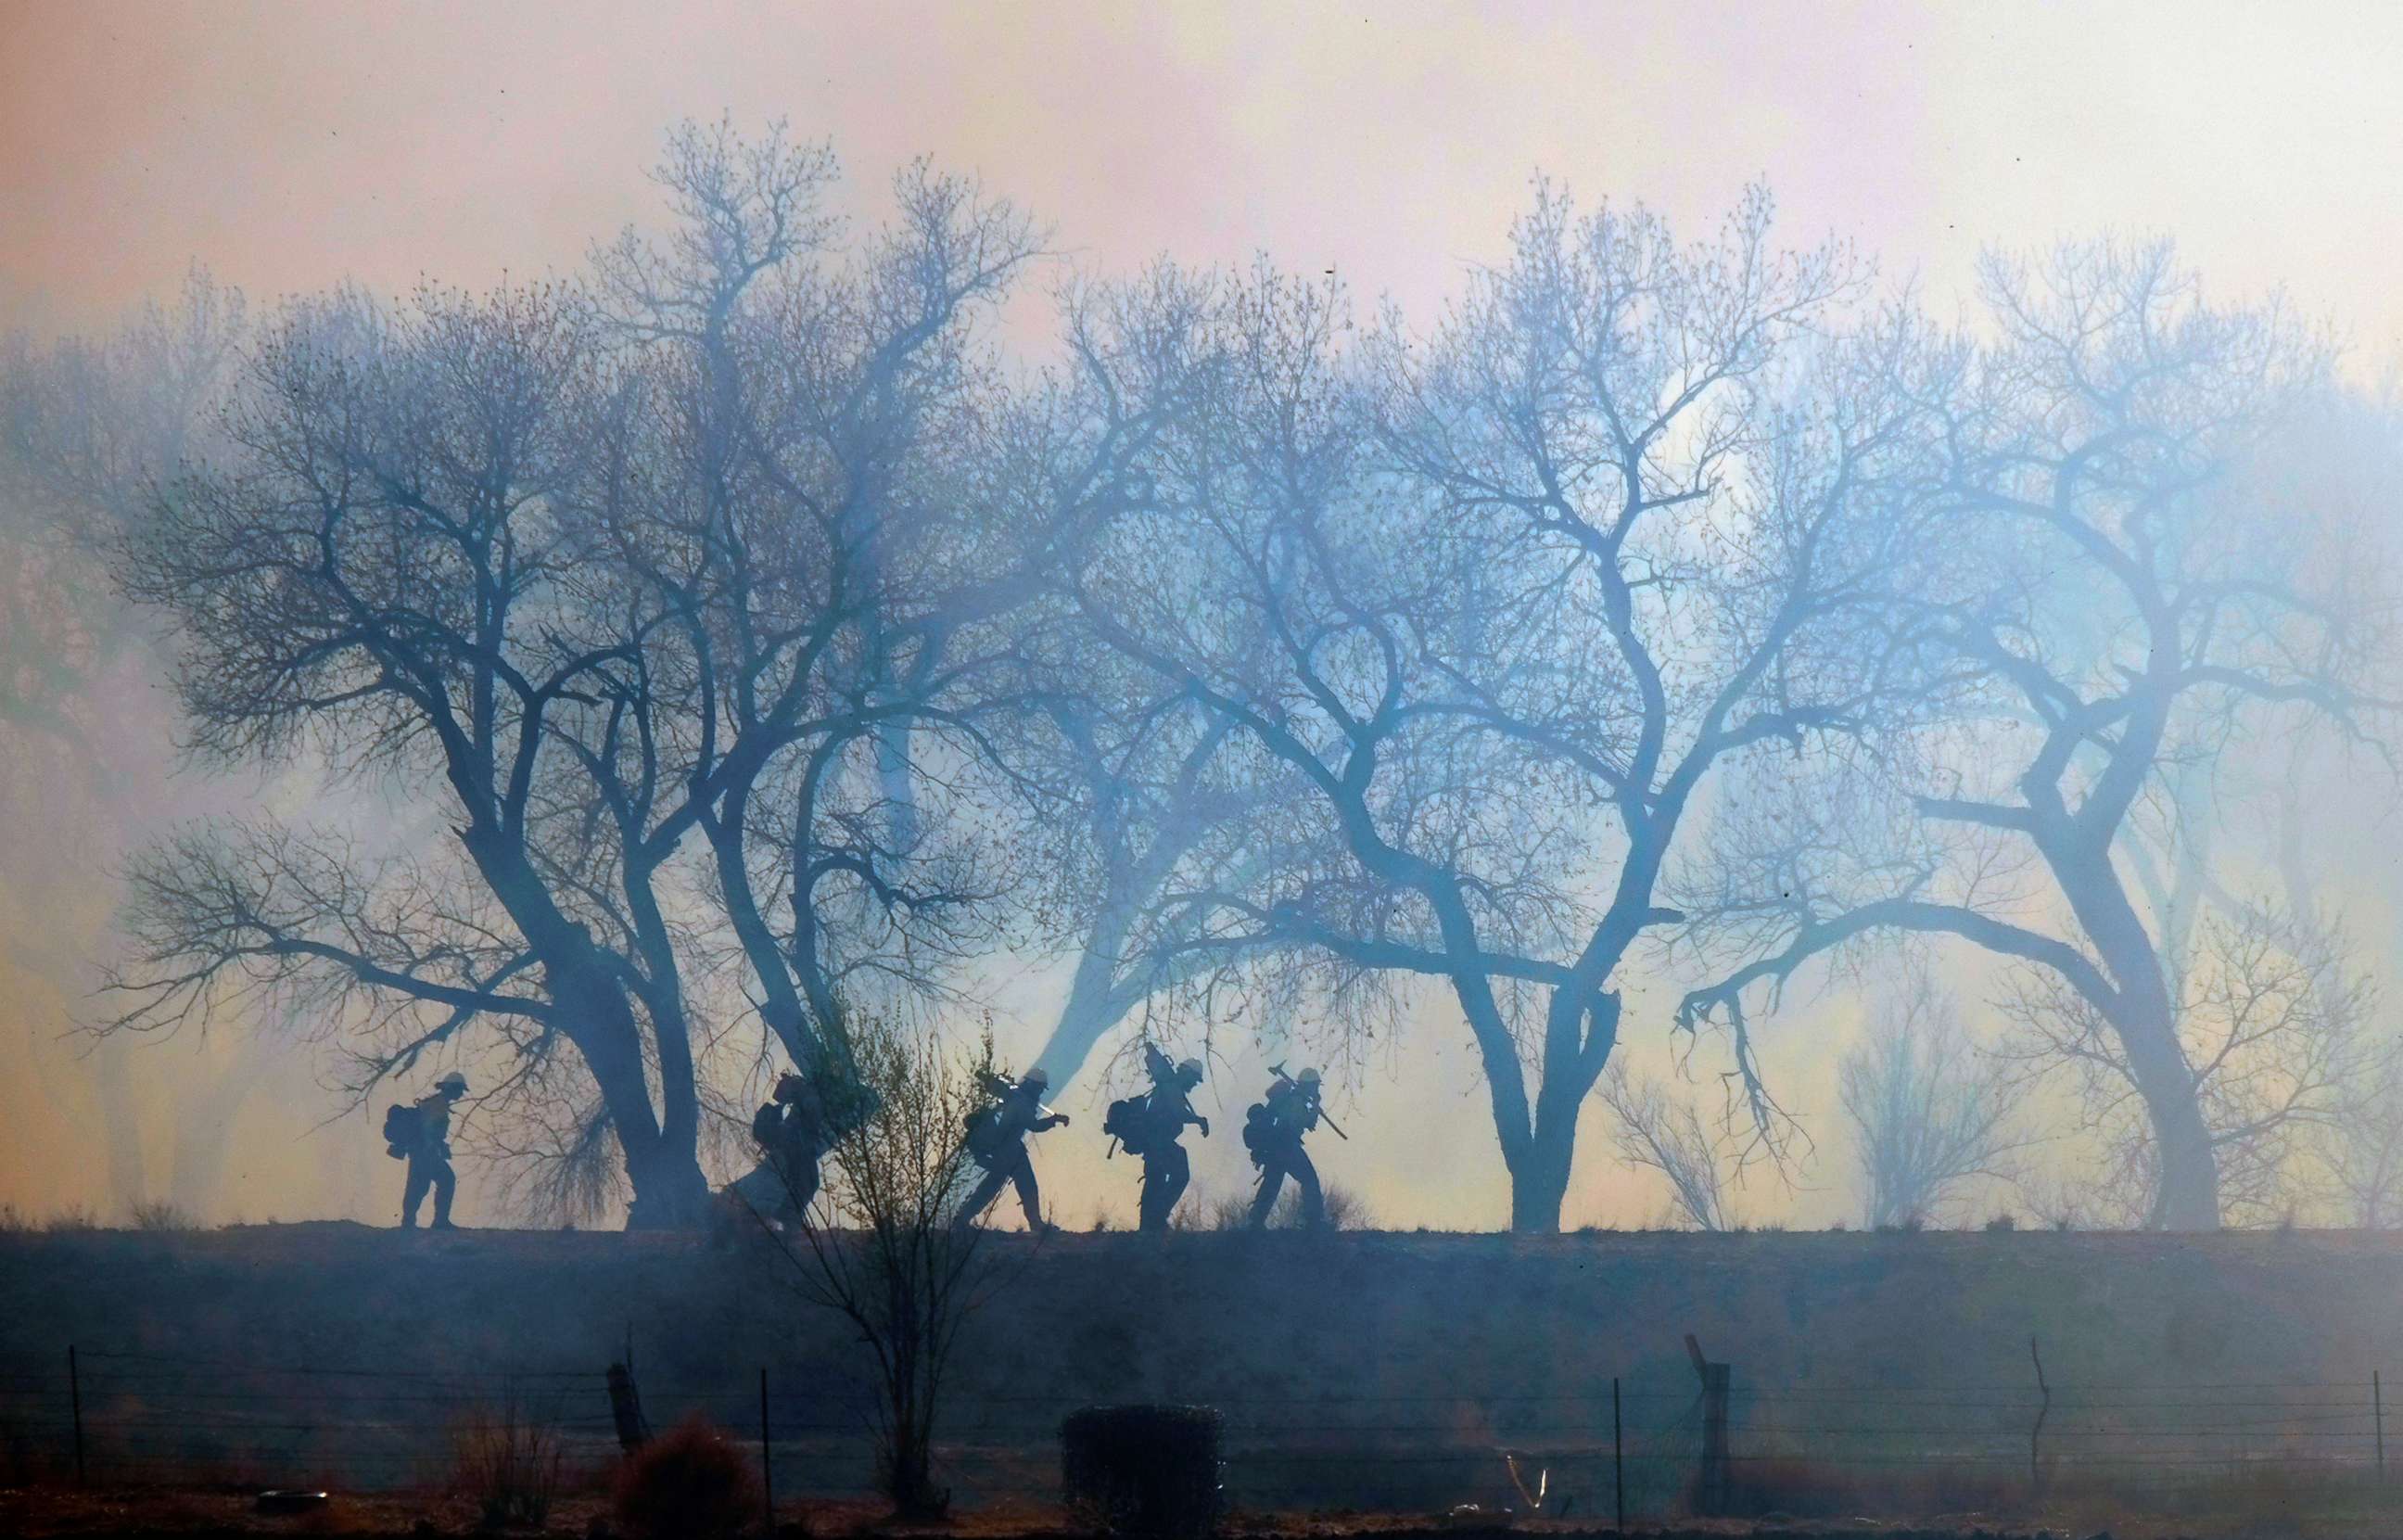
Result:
[
  {"x": 74, "y": 1220},
  {"x": 1227, "y": 1212},
  {"x": 508, "y": 1463},
  {"x": 2002, "y": 1223},
  {"x": 160, "y": 1214},
  {"x": 692, "y": 1482},
  {"x": 1345, "y": 1210}
]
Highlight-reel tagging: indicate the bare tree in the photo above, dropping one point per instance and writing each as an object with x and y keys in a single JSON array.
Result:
[
  {"x": 1501, "y": 600},
  {"x": 1927, "y": 1113},
  {"x": 697, "y": 548},
  {"x": 2361, "y": 1151},
  {"x": 88, "y": 428},
  {"x": 1146, "y": 797},
  {"x": 377, "y": 575},
  {"x": 2116, "y": 597},
  {"x": 848, "y": 561},
  {"x": 2272, "y": 1018},
  {"x": 1655, "y": 1130},
  {"x": 878, "y": 1245}
]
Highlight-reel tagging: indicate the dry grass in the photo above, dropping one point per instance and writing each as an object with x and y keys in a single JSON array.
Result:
[
  {"x": 1346, "y": 1210},
  {"x": 75, "y": 1219},
  {"x": 506, "y": 1463},
  {"x": 161, "y": 1215}
]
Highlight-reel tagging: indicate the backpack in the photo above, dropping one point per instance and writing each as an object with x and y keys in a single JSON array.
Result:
[
  {"x": 983, "y": 1128},
  {"x": 1127, "y": 1122},
  {"x": 1260, "y": 1129},
  {"x": 766, "y": 1125},
  {"x": 403, "y": 1128}
]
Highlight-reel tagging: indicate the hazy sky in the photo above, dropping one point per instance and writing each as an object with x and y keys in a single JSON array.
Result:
[{"x": 292, "y": 147}]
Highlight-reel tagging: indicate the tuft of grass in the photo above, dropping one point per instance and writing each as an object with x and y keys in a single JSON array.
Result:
[
  {"x": 508, "y": 1463},
  {"x": 1346, "y": 1210},
  {"x": 161, "y": 1215}
]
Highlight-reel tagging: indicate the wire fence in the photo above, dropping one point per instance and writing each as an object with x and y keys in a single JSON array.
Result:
[{"x": 112, "y": 1417}]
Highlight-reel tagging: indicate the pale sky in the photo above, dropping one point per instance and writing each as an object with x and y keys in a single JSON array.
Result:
[{"x": 292, "y": 147}]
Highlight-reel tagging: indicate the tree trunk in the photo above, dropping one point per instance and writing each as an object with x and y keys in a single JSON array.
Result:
[
  {"x": 1539, "y": 1179},
  {"x": 669, "y": 1191},
  {"x": 2145, "y": 1018},
  {"x": 2187, "y": 1198},
  {"x": 662, "y": 1164},
  {"x": 1580, "y": 1032},
  {"x": 1091, "y": 1010}
]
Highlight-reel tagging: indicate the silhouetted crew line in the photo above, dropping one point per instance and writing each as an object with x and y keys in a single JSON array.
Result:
[
  {"x": 997, "y": 1140},
  {"x": 1152, "y": 1126},
  {"x": 419, "y": 1133},
  {"x": 1273, "y": 1131}
]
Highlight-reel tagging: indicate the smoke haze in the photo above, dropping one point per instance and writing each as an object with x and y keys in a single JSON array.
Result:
[{"x": 290, "y": 150}]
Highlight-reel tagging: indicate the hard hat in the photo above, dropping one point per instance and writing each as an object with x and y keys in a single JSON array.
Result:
[
  {"x": 1191, "y": 1069},
  {"x": 1307, "y": 1077},
  {"x": 1037, "y": 1077},
  {"x": 452, "y": 1081}
]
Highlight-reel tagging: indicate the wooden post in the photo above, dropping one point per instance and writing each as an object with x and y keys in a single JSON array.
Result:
[
  {"x": 2044, "y": 1408},
  {"x": 767, "y": 1469},
  {"x": 1710, "y": 1498},
  {"x": 75, "y": 1405},
  {"x": 1618, "y": 1459},
  {"x": 626, "y": 1409},
  {"x": 2378, "y": 1411}
]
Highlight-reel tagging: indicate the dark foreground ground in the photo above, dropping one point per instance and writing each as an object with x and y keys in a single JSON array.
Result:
[
  {"x": 200, "y": 1513},
  {"x": 2206, "y": 1385}
]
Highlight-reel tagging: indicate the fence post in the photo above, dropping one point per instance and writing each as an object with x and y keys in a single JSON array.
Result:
[
  {"x": 2044, "y": 1408},
  {"x": 626, "y": 1409},
  {"x": 2378, "y": 1411},
  {"x": 75, "y": 1405},
  {"x": 1618, "y": 1459},
  {"x": 1711, "y": 1498},
  {"x": 767, "y": 1467}
]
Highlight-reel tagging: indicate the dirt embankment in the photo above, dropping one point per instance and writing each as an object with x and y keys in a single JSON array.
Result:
[
  {"x": 1116, "y": 1317},
  {"x": 1395, "y": 1372}
]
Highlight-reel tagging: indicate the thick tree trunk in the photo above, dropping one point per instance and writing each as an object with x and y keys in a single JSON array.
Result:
[
  {"x": 1094, "y": 1005},
  {"x": 662, "y": 1162},
  {"x": 2145, "y": 1018},
  {"x": 1539, "y": 1179},
  {"x": 1539, "y": 1164},
  {"x": 2187, "y": 1198},
  {"x": 669, "y": 1191}
]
